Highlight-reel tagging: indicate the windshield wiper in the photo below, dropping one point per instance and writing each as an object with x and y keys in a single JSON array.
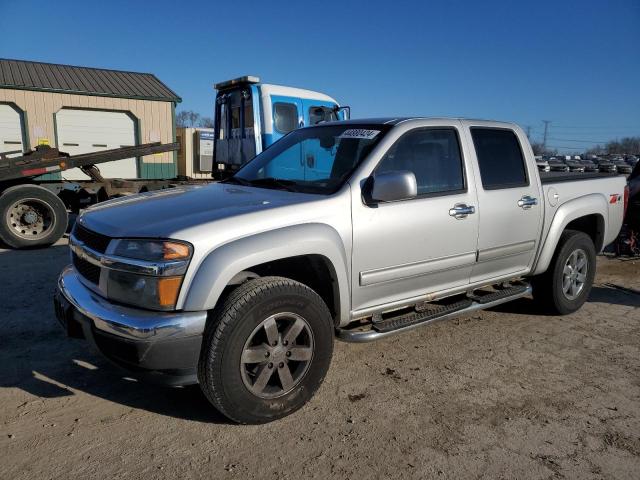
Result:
[{"x": 274, "y": 182}]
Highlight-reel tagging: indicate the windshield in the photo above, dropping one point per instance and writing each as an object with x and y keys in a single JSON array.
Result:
[{"x": 313, "y": 160}]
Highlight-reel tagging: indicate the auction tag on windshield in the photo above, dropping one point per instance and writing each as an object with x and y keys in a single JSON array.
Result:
[{"x": 360, "y": 133}]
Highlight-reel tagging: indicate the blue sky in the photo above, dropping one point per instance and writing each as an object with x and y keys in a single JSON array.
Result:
[{"x": 576, "y": 63}]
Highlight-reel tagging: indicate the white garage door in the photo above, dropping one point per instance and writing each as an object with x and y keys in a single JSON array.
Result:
[
  {"x": 10, "y": 129},
  {"x": 85, "y": 131}
]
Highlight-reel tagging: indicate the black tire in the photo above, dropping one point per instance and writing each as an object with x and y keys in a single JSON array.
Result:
[
  {"x": 51, "y": 213},
  {"x": 548, "y": 288},
  {"x": 226, "y": 382}
]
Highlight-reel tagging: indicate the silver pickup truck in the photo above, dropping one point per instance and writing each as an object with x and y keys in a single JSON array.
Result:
[{"x": 356, "y": 230}]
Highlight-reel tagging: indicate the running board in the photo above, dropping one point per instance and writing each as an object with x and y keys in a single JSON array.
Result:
[{"x": 425, "y": 315}]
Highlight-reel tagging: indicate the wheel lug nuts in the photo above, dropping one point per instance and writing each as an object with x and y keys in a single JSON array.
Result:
[
  {"x": 285, "y": 343},
  {"x": 274, "y": 344},
  {"x": 270, "y": 365},
  {"x": 281, "y": 364},
  {"x": 288, "y": 354},
  {"x": 266, "y": 354}
]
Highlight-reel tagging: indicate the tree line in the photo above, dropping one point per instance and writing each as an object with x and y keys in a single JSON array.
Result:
[{"x": 189, "y": 118}]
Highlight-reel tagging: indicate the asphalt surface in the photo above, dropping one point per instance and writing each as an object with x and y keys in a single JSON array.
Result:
[{"x": 507, "y": 393}]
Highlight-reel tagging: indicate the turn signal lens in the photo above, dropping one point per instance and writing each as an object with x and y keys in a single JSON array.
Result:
[
  {"x": 175, "y": 251},
  {"x": 168, "y": 289}
]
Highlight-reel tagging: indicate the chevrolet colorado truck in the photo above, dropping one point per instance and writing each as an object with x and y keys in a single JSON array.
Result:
[{"x": 356, "y": 229}]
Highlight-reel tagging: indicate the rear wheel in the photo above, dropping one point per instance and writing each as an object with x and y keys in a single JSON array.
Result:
[
  {"x": 31, "y": 216},
  {"x": 566, "y": 284},
  {"x": 266, "y": 350}
]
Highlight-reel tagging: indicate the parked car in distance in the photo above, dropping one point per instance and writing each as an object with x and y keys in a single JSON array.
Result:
[
  {"x": 606, "y": 166},
  {"x": 574, "y": 166},
  {"x": 589, "y": 166},
  {"x": 542, "y": 164},
  {"x": 242, "y": 285},
  {"x": 557, "y": 165},
  {"x": 622, "y": 166},
  {"x": 632, "y": 160}
]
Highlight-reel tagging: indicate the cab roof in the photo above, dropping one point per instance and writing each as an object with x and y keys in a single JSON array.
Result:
[{"x": 398, "y": 120}]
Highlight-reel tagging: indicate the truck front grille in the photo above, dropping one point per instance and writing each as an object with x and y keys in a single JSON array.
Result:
[
  {"x": 93, "y": 240},
  {"x": 88, "y": 270}
]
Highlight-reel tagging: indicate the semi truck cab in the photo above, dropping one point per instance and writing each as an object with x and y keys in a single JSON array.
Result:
[{"x": 250, "y": 116}]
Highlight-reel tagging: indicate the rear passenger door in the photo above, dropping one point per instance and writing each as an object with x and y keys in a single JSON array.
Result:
[{"x": 510, "y": 210}]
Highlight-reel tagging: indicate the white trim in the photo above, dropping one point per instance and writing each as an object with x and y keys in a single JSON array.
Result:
[{"x": 267, "y": 90}]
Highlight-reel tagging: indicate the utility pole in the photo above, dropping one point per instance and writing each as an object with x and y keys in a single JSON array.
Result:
[
  {"x": 546, "y": 128},
  {"x": 529, "y": 132}
]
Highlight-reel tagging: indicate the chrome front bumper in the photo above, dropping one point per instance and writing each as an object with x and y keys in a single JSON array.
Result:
[
  {"x": 127, "y": 322},
  {"x": 165, "y": 345}
]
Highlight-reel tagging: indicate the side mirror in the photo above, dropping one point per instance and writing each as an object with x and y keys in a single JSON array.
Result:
[{"x": 391, "y": 186}]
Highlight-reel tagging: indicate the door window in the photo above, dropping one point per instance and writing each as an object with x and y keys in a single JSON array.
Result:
[
  {"x": 500, "y": 158},
  {"x": 285, "y": 117},
  {"x": 433, "y": 155},
  {"x": 321, "y": 114}
]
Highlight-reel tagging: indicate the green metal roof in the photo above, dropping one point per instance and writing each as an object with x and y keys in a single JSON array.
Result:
[{"x": 50, "y": 77}]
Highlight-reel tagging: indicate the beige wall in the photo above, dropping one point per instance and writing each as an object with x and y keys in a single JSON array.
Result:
[{"x": 155, "y": 120}]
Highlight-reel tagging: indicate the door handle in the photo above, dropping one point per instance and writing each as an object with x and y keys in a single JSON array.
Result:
[
  {"x": 527, "y": 202},
  {"x": 461, "y": 210}
]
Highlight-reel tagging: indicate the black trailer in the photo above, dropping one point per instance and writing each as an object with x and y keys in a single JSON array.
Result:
[{"x": 35, "y": 212}]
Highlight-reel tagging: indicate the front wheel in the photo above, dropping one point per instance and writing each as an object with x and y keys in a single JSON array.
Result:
[
  {"x": 266, "y": 350},
  {"x": 566, "y": 284}
]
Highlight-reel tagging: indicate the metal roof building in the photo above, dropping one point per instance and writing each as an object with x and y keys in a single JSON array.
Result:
[{"x": 81, "y": 109}]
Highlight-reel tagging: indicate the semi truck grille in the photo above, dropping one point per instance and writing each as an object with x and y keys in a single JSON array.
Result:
[
  {"x": 88, "y": 270},
  {"x": 93, "y": 240}
]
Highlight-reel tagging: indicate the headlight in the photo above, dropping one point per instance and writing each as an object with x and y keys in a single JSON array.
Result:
[{"x": 147, "y": 273}]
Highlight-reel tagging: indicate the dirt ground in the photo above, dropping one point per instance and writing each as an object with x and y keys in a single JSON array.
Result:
[{"x": 508, "y": 393}]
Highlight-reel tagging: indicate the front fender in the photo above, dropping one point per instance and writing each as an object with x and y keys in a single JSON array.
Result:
[
  {"x": 591, "y": 204},
  {"x": 222, "y": 264}
]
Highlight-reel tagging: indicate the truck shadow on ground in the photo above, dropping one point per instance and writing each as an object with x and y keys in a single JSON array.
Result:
[
  {"x": 38, "y": 358},
  {"x": 70, "y": 372},
  {"x": 599, "y": 294}
]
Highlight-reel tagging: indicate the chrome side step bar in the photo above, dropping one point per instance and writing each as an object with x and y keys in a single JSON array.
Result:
[{"x": 366, "y": 333}]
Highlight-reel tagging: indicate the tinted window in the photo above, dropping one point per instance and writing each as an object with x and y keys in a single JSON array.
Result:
[
  {"x": 285, "y": 117},
  {"x": 500, "y": 158},
  {"x": 433, "y": 155}
]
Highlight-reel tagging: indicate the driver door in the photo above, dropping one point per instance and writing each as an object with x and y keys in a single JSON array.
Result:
[{"x": 417, "y": 247}]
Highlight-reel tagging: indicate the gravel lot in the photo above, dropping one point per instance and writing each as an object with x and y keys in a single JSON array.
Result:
[{"x": 508, "y": 393}]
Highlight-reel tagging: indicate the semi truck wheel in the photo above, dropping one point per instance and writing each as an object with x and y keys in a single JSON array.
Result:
[
  {"x": 31, "y": 216},
  {"x": 566, "y": 284},
  {"x": 266, "y": 350}
]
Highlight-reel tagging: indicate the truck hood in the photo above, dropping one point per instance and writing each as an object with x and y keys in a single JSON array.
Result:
[{"x": 163, "y": 213}]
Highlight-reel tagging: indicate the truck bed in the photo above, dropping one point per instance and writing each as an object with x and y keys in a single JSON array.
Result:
[{"x": 556, "y": 177}]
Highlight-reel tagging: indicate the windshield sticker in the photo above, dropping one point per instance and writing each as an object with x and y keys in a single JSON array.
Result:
[{"x": 360, "y": 133}]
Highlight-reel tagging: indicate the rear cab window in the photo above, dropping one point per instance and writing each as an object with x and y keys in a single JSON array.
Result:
[{"x": 500, "y": 158}]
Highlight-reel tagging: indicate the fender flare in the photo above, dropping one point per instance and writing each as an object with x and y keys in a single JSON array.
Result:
[
  {"x": 218, "y": 269},
  {"x": 592, "y": 204}
]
